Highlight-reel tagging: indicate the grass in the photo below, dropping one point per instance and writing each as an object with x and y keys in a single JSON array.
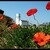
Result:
[{"x": 21, "y": 38}]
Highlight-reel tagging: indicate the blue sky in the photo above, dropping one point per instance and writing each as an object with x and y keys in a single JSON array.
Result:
[{"x": 13, "y": 7}]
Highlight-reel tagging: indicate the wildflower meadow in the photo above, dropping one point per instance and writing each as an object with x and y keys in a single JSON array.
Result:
[{"x": 20, "y": 37}]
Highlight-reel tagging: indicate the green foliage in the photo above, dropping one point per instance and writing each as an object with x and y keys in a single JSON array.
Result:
[{"x": 21, "y": 38}]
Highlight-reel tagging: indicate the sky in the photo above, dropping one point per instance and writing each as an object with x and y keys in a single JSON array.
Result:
[{"x": 11, "y": 8}]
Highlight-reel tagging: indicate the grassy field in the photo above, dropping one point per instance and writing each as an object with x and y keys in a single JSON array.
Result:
[{"x": 21, "y": 38}]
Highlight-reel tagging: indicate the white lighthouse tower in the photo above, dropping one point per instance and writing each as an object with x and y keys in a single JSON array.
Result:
[{"x": 17, "y": 19}]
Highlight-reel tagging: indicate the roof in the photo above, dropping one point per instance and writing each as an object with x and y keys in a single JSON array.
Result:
[{"x": 24, "y": 20}]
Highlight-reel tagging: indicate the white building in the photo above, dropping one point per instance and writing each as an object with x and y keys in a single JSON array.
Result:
[{"x": 21, "y": 22}]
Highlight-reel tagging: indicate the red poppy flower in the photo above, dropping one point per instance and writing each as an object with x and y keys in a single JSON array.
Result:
[
  {"x": 44, "y": 40},
  {"x": 48, "y": 6},
  {"x": 41, "y": 38},
  {"x": 38, "y": 36},
  {"x": 1, "y": 17},
  {"x": 31, "y": 12},
  {"x": 14, "y": 26}
]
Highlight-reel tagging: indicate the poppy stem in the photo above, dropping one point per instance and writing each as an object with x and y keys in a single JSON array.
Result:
[
  {"x": 37, "y": 22},
  {"x": 36, "y": 19}
]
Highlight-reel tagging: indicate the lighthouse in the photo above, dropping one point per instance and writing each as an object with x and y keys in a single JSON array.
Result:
[
  {"x": 21, "y": 22},
  {"x": 17, "y": 19}
]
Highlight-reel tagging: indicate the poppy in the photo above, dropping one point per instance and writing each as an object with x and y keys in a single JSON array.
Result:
[
  {"x": 40, "y": 38},
  {"x": 1, "y": 17},
  {"x": 48, "y": 6},
  {"x": 31, "y": 12},
  {"x": 14, "y": 26},
  {"x": 44, "y": 40}
]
